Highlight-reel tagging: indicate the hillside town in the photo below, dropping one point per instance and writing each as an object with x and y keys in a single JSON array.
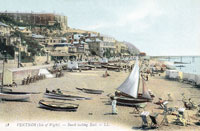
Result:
[{"x": 38, "y": 38}]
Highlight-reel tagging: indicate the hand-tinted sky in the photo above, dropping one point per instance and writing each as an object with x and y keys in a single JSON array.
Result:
[{"x": 157, "y": 27}]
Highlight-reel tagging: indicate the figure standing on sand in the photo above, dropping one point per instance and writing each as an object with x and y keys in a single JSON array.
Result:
[
  {"x": 147, "y": 77},
  {"x": 106, "y": 74},
  {"x": 114, "y": 103}
]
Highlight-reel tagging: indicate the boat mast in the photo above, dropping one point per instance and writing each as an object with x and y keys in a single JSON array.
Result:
[
  {"x": 138, "y": 83},
  {"x": 3, "y": 70}
]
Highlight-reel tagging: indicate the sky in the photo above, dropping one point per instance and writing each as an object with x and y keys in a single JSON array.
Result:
[{"x": 157, "y": 27}]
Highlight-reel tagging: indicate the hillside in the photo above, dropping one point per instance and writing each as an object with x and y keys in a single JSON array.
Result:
[{"x": 132, "y": 48}]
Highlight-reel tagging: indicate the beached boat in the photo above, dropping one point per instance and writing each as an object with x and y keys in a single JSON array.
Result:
[
  {"x": 111, "y": 67},
  {"x": 58, "y": 106},
  {"x": 180, "y": 66},
  {"x": 5, "y": 89},
  {"x": 90, "y": 91},
  {"x": 61, "y": 96},
  {"x": 14, "y": 96},
  {"x": 85, "y": 68},
  {"x": 179, "y": 62},
  {"x": 128, "y": 94}
]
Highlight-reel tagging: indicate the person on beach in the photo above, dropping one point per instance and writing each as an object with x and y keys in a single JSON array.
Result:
[
  {"x": 160, "y": 102},
  {"x": 47, "y": 91},
  {"x": 169, "y": 97},
  {"x": 147, "y": 77},
  {"x": 14, "y": 84},
  {"x": 165, "y": 119},
  {"x": 192, "y": 104},
  {"x": 114, "y": 103},
  {"x": 58, "y": 91}
]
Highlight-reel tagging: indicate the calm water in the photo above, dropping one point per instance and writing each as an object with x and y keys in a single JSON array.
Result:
[{"x": 193, "y": 65}]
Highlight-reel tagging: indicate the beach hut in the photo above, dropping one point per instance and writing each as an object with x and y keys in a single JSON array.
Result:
[
  {"x": 17, "y": 74},
  {"x": 185, "y": 76},
  {"x": 7, "y": 77},
  {"x": 180, "y": 75},
  {"x": 197, "y": 80},
  {"x": 72, "y": 65},
  {"x": 172, "y": 74},
  {"x": 191, "y": 77}
]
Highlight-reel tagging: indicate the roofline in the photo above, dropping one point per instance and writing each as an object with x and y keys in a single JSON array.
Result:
[{"x": 36, "y": 13}]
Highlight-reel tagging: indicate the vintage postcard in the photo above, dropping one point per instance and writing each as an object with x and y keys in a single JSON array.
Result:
[{"x": 117, "y": 65}]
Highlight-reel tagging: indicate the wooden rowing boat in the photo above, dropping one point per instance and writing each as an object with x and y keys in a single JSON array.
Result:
[
  {"x": 52, "y": 95},
  {"x": 14, "y": 96},
  {"x": 5, "y": 89},
  {"x": 90, "y": 91},
  {"x": 58, "y": 106}
]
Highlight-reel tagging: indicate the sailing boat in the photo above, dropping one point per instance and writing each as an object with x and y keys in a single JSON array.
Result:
[{"x": 128, "y": 94}]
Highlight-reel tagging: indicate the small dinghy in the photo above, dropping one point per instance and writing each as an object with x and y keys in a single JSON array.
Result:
[
  {"x": 14, "y": 96},
  {"x": 64, "y": 97},
  {"x": 90, "y": 91},
  {"x": 59, "y": 95},
  {"x": 58, "y": 106}
]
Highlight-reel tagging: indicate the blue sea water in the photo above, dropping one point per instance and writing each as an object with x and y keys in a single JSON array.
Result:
[{"x": 192, "y": 66}]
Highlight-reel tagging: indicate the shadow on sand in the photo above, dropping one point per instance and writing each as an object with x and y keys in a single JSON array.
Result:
[
  {"x": 110, "y": 114},
  {"x": 140, "y": 128}
]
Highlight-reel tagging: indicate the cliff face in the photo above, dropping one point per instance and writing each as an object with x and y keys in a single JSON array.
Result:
[{"x": 132, "y": 49}]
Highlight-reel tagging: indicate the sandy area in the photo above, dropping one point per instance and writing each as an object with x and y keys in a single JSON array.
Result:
[{"x": 96, "y": 110}]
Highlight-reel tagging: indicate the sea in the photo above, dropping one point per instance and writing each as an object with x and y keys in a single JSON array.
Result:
[{"x": 186, "y": 64}]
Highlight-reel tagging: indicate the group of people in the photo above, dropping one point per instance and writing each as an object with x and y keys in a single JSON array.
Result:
[
  {"x": 57, "y": 91},
  {"x": 32, "y": 79}
]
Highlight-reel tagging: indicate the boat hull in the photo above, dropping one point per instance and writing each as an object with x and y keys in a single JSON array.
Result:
[
  {"x": 64, "y": 97},
  {"x": 130, "y": 104},
  {"x": 109, "y": 67},
  {"x": 129, "y": 101},
  {"x": 140, "y": 98},
  {"x": 5, "y": 90},
  {"x": 14, "y": 96},
  {"x": 90, "y": 91},
  {"x": 58, "y": 106}
]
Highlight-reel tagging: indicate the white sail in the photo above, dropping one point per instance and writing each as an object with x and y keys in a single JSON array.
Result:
[{"x": 131, "y": 84}]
